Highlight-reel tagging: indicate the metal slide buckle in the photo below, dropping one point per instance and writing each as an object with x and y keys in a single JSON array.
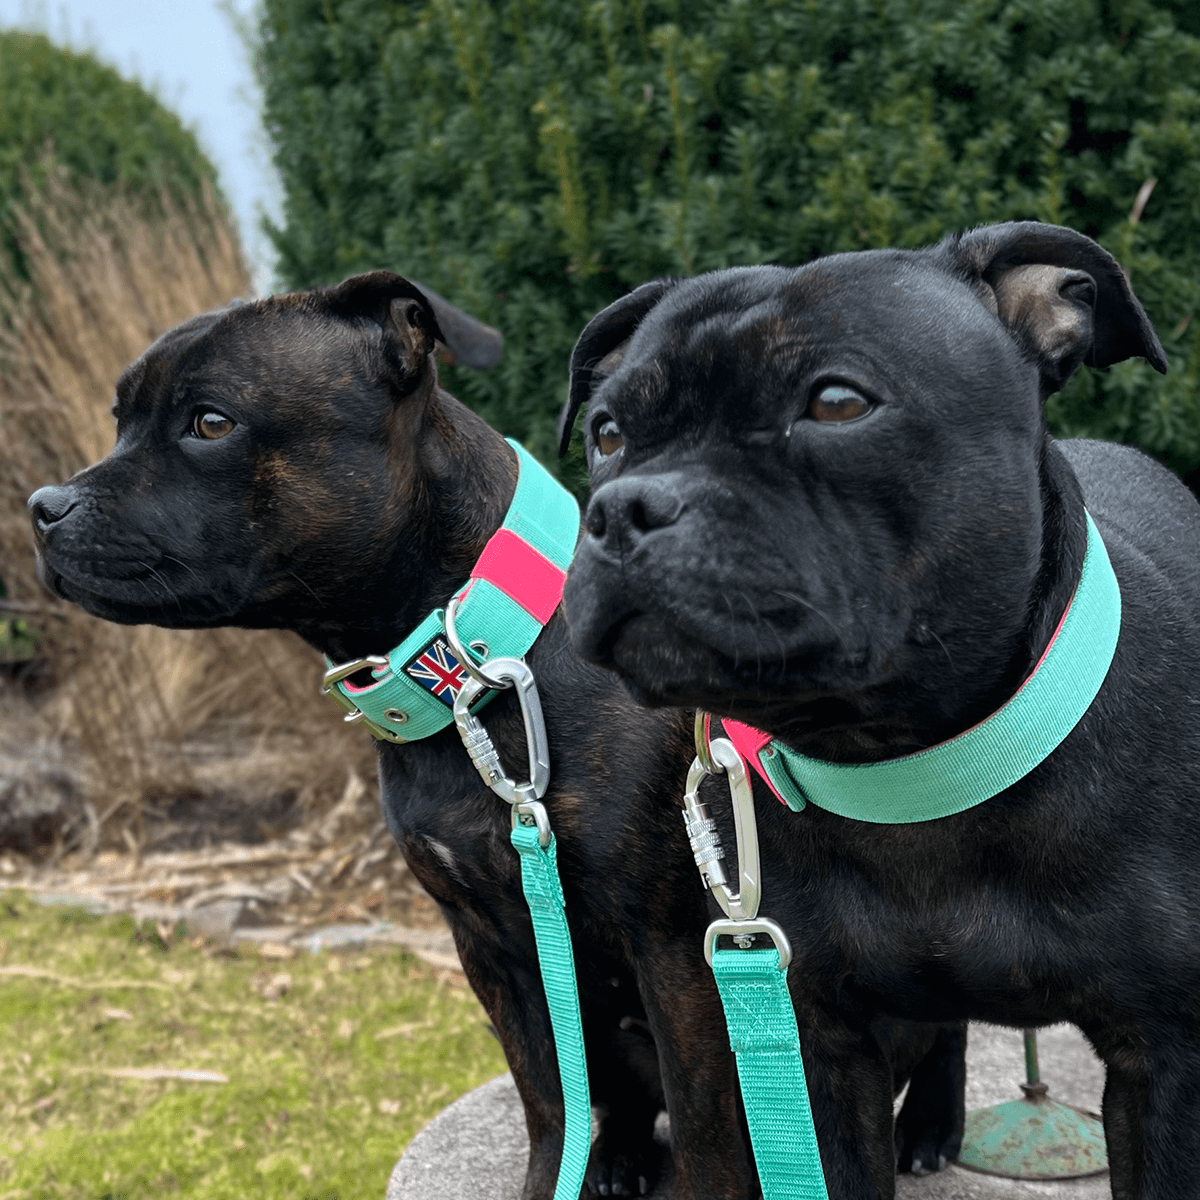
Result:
[
  {"x": 523, "y": 796},
  {"x": 354, "y": 714}
]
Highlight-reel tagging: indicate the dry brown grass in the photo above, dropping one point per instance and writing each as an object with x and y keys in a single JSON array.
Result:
[{"x": 142, "y": 711}]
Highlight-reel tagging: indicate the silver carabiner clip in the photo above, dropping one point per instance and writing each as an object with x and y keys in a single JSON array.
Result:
[
  {"x": 523, "y": 796},
  {"x": 741, "y": 905}
]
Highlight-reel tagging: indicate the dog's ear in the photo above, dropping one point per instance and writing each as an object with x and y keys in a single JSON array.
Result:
[
  {"x": 470, "y": 342},
  {"x": 1064, "y": 298},
  {"x": 407, "y": 321},
  {"x": 601, "y": 347}
]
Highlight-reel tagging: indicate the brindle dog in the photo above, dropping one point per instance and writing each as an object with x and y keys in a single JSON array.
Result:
[
  {"x": 836, "y": 515},
  {"x": 293, "y": 463}
]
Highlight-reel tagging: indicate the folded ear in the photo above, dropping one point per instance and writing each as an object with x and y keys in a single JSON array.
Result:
[
  {"x": 407, "y": 321},
  {"x": 1063, "y": 298},
  {"x": 470, "y": 342},
  {"x": 601, "y": 347}
]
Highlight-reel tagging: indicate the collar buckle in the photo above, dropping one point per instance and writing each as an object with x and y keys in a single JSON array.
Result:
[{"x": 354, "y": 714}]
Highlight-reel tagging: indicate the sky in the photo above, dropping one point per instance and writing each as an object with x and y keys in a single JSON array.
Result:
[{"x": 188, "y": 55}]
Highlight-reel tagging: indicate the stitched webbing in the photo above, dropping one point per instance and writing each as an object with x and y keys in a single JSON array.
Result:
[
  {"x": 543, "y": 893},
  {"x": 763, "y": 1036},
  {"x": 991, "y": 756}
]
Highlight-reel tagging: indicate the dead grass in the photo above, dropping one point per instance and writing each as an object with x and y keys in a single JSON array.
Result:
[{"x": 106, "y": 280}]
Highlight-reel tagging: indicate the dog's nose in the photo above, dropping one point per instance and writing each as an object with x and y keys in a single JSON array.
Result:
[
  {"x": 626, "y": 510},
  {"x": 49, "y": 505}
]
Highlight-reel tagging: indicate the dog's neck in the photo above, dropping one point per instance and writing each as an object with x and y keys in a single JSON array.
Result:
[
  {"x": 462, "y": 475},
  {"x": 925, "y": 708}
]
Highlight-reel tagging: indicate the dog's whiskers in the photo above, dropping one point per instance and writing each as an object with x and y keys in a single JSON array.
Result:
[
  {"x": 945, "y": 651},
  {"x": 305, "y": 585},
  {"x": 166, "y": 587},
  {"x": 812, "y": 608}
]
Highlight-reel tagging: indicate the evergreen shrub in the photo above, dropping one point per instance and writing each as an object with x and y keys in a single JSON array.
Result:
[
  {"x": 66, "y": 109},
  {"x": 534, "y": 159}
]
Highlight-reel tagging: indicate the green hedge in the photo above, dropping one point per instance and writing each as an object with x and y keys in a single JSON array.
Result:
[
  {"x": 534, "y": 159},
  {"x": 98, "y": 126}
]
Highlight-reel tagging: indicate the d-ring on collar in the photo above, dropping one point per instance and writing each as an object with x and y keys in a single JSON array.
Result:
[{"x": 514, "y": 589}]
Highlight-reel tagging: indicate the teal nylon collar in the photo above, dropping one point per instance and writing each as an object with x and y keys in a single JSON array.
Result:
[
  {"x": 991, "y": 756},
  {"x": 412, "y": 697}
]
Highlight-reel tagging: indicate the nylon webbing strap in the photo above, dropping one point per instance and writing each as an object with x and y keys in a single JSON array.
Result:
[
  {"x": 763, "y": 1036},
  {"x": 513, "y": 591},
  {"x": 986, "y": 759},
  {"x": 543, "y": 893}
]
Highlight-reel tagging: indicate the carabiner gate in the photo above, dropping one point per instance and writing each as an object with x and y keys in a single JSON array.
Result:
[
  {"x": 524, "y": 796},
  {"x": 741, "y": 905}
]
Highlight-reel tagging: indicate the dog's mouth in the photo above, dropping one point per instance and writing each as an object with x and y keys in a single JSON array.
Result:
[
  {"x": 668, "y": 664},
  {"x": 126, "y": 589}
]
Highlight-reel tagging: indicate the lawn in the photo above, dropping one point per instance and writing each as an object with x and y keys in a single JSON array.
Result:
[{"x": 331, "y": 1062}]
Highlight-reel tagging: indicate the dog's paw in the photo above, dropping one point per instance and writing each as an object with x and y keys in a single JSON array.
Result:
[
  {"x": 623, "y": 1166},
  {"x": 924, "y": 1146}
]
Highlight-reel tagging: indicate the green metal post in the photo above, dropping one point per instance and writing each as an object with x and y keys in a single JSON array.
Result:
[{"x": 1033, "y": 1138}]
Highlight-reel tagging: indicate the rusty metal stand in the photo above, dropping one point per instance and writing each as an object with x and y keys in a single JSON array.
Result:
[{"x": 1035, "y": 1137}]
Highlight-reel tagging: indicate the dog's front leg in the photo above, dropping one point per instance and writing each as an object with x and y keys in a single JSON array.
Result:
[
  {"x": 850, "y": 1089},
  {"x": 708, "y": 1135},
  {"x": 502, "y": 969},
  {"x": 1152, "y": 1120}
]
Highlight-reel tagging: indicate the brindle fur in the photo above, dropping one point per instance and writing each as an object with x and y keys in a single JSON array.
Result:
[{"x": 353, "y": 496}]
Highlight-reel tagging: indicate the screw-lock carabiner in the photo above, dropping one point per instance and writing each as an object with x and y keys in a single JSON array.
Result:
[
  {"x": 740, "y": 907},
  {"x": 523, "y": 796}
]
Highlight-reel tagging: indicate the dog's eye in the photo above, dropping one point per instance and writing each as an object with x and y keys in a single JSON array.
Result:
[
  {"x": 836, "y": 402},
  {"x": 608, "y": 437},
  {"x": 211, "y": 425}
]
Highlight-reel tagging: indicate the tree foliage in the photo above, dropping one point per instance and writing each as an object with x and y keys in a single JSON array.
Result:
[
  {"x": 534, "y": 159},
  {"x": 66, "y": 108}
]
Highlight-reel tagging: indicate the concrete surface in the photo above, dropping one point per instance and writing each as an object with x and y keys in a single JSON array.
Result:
[{"x": 476, "y": 1148}]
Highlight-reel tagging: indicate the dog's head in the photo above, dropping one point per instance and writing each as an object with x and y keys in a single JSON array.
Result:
[
  {"x": 263, "y": 451},
  {"x": 814, "y": 480}
]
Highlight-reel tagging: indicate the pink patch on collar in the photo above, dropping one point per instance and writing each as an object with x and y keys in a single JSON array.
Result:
[{"x": 749, "y": 742}]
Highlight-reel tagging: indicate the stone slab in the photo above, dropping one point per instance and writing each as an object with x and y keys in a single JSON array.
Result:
[{"x": 476, "y": 1148}]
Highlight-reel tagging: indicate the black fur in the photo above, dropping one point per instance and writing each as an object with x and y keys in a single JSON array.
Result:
[
  {"x": 351, "y": 496},
  {"x": 863, "y": 588}
]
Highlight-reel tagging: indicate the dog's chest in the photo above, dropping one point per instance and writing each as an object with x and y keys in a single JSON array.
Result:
[{"x": 923, "y": 932}]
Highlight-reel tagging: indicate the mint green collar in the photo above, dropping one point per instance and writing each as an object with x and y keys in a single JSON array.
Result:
[
  {"x": 989, "y": 757},
  {"x": 513, "y": 591}
]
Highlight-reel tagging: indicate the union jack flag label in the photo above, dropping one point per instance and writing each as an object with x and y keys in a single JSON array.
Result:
[{"x": 437, "y": 669}]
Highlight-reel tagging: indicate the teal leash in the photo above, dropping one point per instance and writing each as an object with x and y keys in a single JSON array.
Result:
[
  {"x": 752, "y": 983},
  {"x": 930, "y": 785},
  {"x": 535, "y": 842},
  {"x": 432, "y": 679},
  {"x": 766, "y": 1043},
  {"x": 543, "y": 893}
]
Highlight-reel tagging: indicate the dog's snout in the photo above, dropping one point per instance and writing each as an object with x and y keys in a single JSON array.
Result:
[
  {"x": 626, "y": 510},
  {"x": 48, "y": 506}
]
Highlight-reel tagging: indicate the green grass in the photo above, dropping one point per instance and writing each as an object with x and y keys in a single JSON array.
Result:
[
  {"x": 17, "y": 641},
  {"x": 326, "y": 1084}
]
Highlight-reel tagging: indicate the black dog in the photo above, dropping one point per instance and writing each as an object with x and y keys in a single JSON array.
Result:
[
  {"x": 293, "y": 463},
  {"x": 835, "y": 515}
]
